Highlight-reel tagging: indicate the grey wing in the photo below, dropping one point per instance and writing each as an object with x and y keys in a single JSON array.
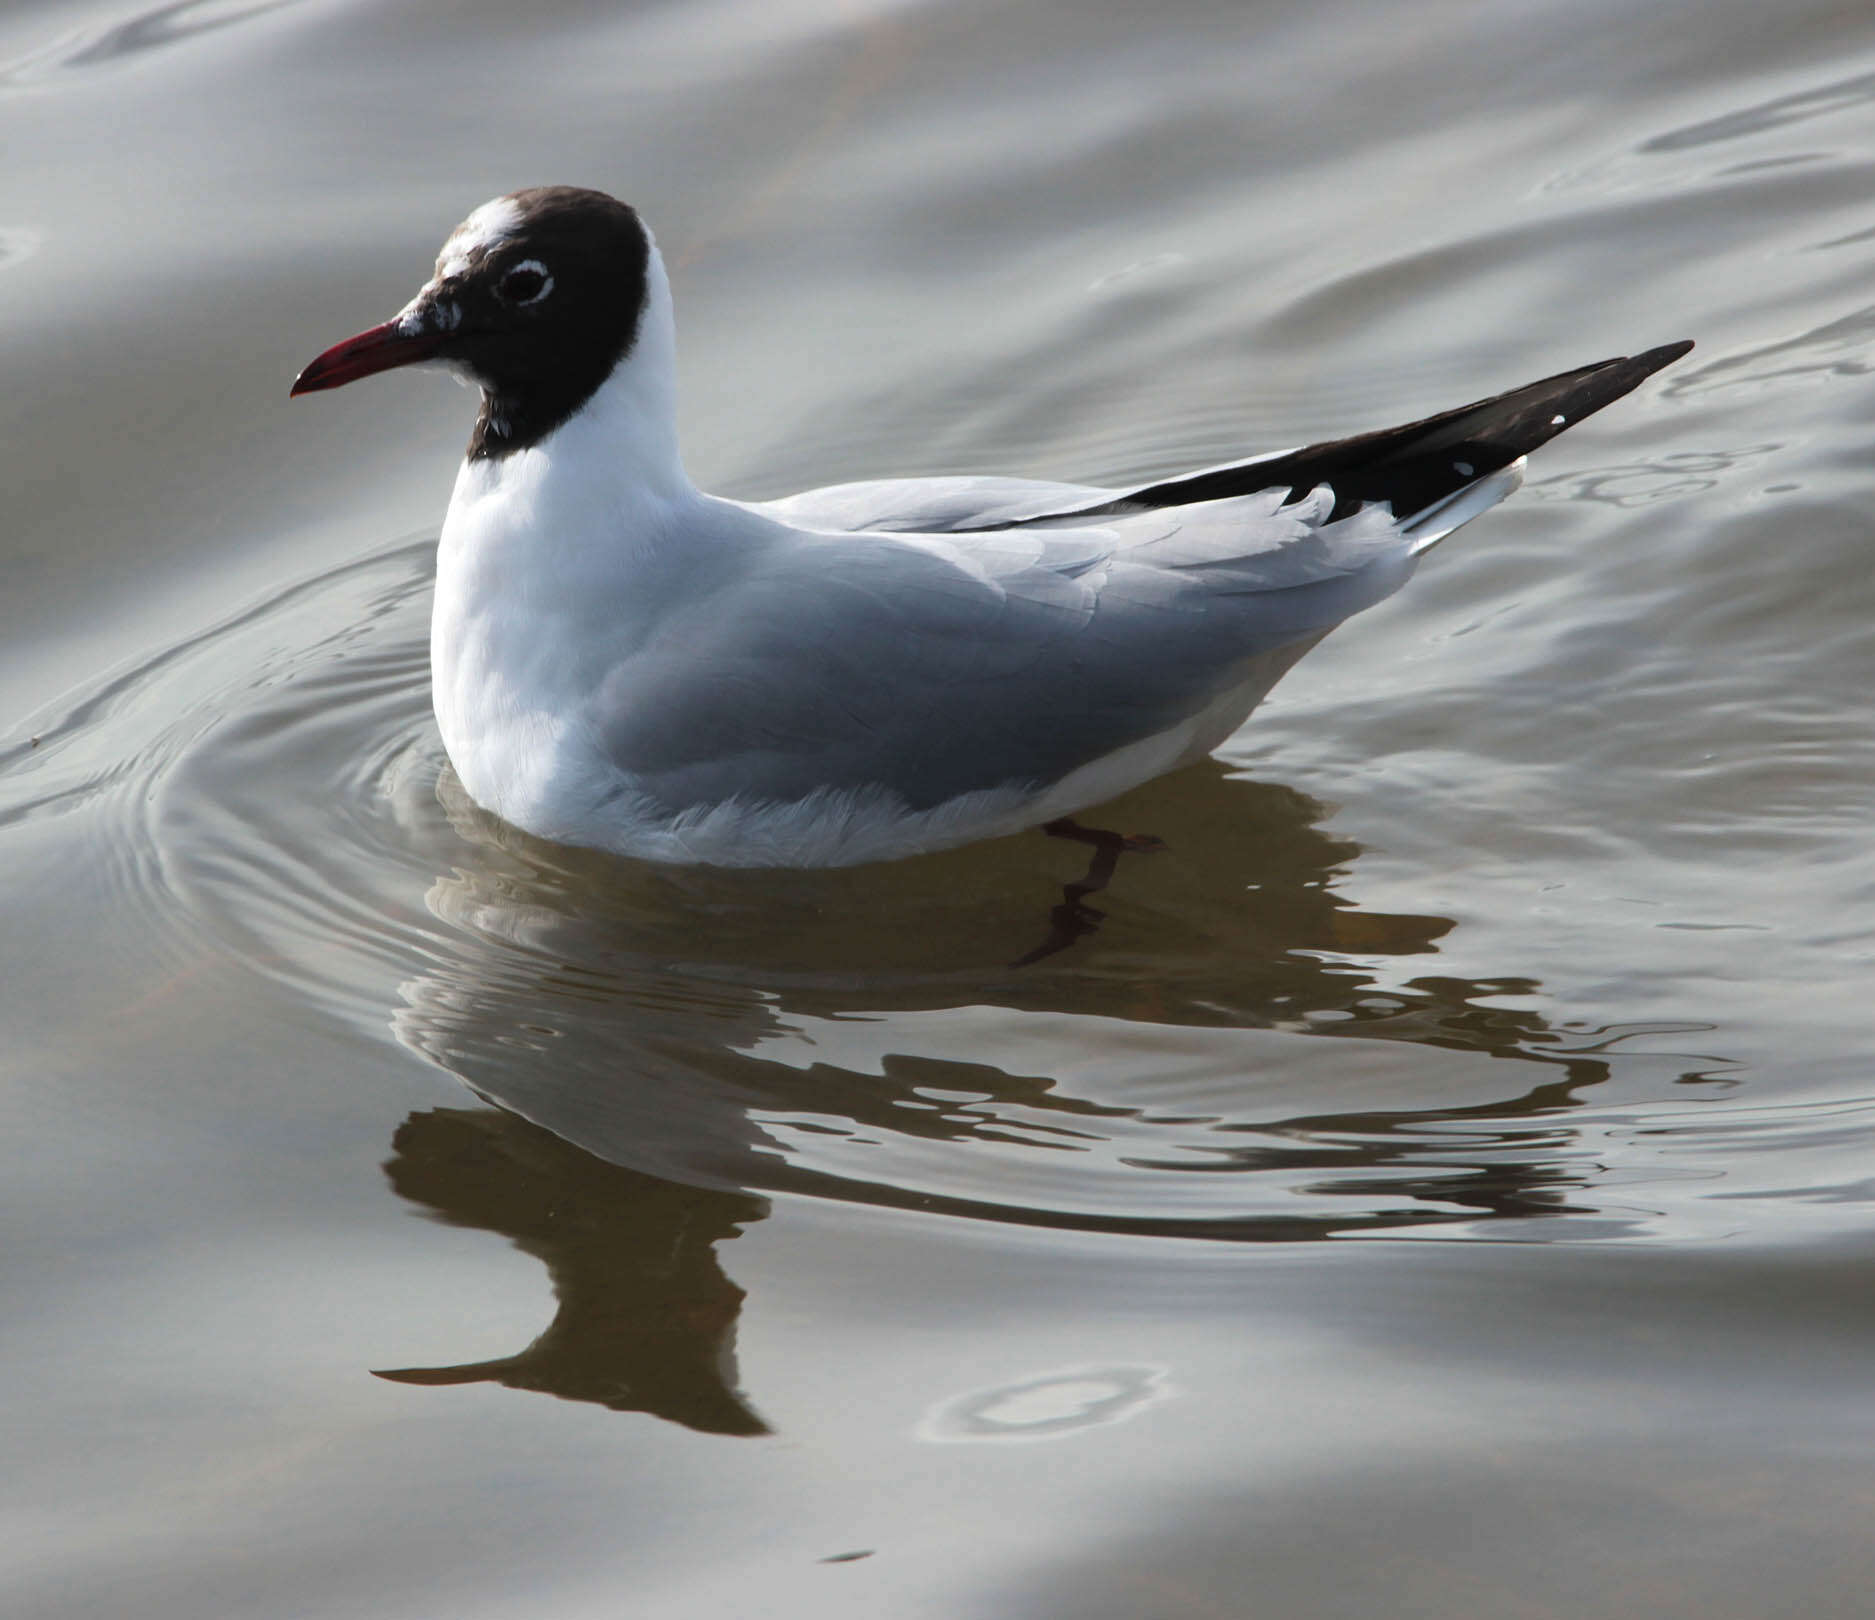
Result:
[
  {"x": 933, "y": 667},
  {"x": 962, "y": 504},
  {"x": 993, "y": 630},
  {"x": 929, "y": 505}
]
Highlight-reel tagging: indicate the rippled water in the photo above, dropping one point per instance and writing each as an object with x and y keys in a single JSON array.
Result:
[{"x": 950, "y": 1237}]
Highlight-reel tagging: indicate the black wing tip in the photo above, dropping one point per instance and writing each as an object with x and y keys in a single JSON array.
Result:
[
  {"x": 1648, "y": 361},
  {"x": 1621, "y": 372},
  {"x": 1411, "y": 466},
  {"x": 1523, "y": 414}
]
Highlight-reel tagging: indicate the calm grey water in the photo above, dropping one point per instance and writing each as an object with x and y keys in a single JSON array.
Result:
[{"x": 1440, "y": 1184}]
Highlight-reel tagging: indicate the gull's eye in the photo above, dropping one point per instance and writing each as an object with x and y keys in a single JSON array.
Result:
[{"x": 527, "y": 283}]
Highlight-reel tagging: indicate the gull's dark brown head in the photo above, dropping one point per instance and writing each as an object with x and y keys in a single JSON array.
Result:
[{"x": 537, "y": 296}]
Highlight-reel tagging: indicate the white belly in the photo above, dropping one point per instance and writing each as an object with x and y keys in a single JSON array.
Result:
[{"x": 550, "y": 780}]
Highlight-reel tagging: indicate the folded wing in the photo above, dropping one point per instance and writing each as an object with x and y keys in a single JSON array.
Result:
[
  {"x": 932, "y": 666},
  {"x": 935, "y": 637}
]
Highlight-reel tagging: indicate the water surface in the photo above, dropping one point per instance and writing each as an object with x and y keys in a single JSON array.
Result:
[{"x": 1437, "y": 1183}]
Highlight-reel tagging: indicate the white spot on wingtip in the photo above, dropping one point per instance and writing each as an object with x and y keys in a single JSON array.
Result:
[
  {"x": 1559, "y": 421},
  {"x": 1462, "y": 468}
]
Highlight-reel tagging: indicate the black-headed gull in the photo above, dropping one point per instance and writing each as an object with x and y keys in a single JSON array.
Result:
[{"x": 870, "y": 670}]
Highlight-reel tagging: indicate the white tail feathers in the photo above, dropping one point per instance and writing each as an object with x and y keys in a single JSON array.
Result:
[{"x": 1426, "y": 529}]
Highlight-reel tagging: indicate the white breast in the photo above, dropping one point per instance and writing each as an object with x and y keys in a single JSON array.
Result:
[{"x": 554, "y": 562}]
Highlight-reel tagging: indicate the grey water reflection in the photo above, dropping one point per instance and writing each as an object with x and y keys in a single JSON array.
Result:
[
  {"x": 578, "y": 1013},
  {"x": 646, "y": 1319},
  {"x": 645, "y": 1099}
]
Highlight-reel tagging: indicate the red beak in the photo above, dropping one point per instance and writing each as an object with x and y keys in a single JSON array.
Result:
[{"x": 380, "y": 349}]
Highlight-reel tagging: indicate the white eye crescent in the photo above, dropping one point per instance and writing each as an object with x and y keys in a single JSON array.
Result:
[{"x": 525, "y": 283}]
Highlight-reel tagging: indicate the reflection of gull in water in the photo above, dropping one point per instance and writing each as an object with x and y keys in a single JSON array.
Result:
[
  {"x": 828, "y": 1032},
  {"x": 1231, "y": 1058},
  {"x": 646, "y": 1320}
]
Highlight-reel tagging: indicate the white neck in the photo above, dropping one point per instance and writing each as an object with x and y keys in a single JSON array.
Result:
[
  {"x": 611, "y": 475},
  {"x": 555, "y": 562},
  {"x": 628, "y": 429}
]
